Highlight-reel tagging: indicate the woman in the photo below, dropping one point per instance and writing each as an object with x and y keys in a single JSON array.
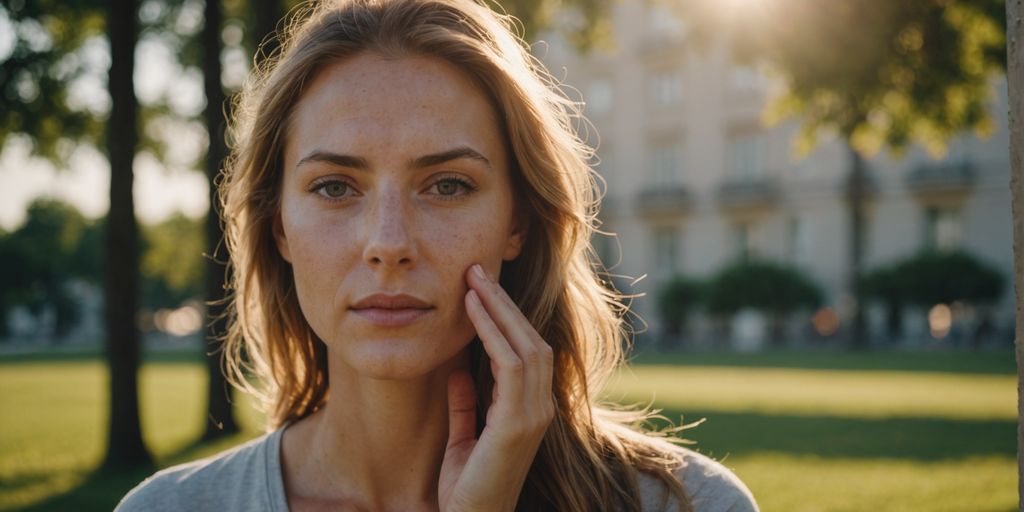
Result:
[{"x": 409, "y": 215}]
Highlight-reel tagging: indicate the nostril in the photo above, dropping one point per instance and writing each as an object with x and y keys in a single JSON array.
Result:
[{"x": 376, "y": 261}]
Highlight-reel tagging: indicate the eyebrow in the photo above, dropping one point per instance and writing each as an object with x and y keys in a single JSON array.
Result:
[
  {"x": 356, "y": 162},
  {"x": 334, "y": 158},
  {"x": 447, "y": 156}
]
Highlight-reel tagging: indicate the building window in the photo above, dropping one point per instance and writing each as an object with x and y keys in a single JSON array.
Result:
[
  {"x": 741, "y": 235},
  {"x": 799, "y": 240},
  {"x": 944, "y": 228},
  {"x": 666, "y": 255},
  {"x": 745, "y": 155},
  {"x": 599, "y": 97},
  {"x": 666, "y": 87},
  {"x": 666, "y": 159}
]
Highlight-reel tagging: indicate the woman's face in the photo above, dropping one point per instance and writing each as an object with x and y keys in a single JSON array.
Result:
[{"x": 396, "y": 181}]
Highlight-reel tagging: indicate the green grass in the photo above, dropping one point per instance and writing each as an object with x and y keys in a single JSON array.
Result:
[
  {"x": 806, "y": 431},
  {"x": 991, "y": 362},
  {"x": 53, "y": 429},
  {"x": 836, "y": 431}
]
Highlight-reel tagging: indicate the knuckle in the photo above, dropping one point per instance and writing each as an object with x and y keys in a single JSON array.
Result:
[
  {"x": 532, "y": 356},
  {"x": 515, "y": 366}
]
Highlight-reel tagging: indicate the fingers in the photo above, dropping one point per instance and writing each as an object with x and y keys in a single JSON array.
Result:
[
  {"x": 461, "y": 409},
  {"x": 488, "y": 473},
  {"x": 509, "y": 377},
  {"x": 524, "y": 338},
  {"x": 521, "y": 335},
  {"x": 516, "y": 347}
]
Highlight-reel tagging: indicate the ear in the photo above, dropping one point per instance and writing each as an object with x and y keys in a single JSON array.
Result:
[
  {"x": 282, "y": 242},
  {"x": 516, "y": 239}
]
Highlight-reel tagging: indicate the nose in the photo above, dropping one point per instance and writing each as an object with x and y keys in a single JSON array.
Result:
[{"x": 388, "y": 243}]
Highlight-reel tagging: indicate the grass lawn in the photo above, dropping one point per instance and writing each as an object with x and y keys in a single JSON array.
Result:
[
  {"x": 806, "y": 431},
  {"x": 53, "y": 429}
]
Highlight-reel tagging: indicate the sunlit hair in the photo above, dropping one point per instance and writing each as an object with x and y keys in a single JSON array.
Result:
[{"x": 589, "y": 456}]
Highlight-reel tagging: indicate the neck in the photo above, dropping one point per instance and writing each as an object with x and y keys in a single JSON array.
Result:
[{"x": 376, "y": 444}]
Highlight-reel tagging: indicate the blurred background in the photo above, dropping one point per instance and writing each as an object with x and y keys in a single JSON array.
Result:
[{"x": 807, "y": 201}]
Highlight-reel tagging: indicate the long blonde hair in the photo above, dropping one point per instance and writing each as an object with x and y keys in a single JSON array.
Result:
[{"x": 590, "y": 454}]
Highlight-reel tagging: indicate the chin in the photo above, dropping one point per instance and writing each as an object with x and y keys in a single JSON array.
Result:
[{"x": 400, "y": 359}]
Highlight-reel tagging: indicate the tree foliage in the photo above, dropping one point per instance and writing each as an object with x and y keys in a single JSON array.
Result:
[
  {"x": 43, "y": 67},
  {"x": 763, "y": 286},
  {"x": 172, "y": 262},
  {"x": 677, "y": 298},
  {"x": 57, "y": 244},
  {"x": 39, "y": 258},
  {"x": 53, "y": 81},
  {"x": 936, "y": 277},
  {"x": 877, "y": 72}
]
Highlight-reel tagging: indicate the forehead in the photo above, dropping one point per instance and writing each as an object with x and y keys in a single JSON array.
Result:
[{"x": 407, "y": 103}]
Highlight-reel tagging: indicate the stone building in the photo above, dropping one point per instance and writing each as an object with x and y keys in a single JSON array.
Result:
[{"x": 696, "y": 179}]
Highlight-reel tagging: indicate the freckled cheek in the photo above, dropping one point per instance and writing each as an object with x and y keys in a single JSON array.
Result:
[
  {"x": 321, "y": 258},
  {"x": 475, "y": 240}
]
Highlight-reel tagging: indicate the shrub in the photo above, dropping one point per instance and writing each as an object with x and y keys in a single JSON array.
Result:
[
  {"x": 933, "y": 277},
  {"x": 761, "y": 285},
  {"x": 676, "y": 299}
]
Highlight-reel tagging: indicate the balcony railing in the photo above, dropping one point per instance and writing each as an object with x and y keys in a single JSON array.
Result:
[
  {"x": 942, "y": 178},
  {"x": 748, "y": 193},
  {"x": 664, "y": 200}
]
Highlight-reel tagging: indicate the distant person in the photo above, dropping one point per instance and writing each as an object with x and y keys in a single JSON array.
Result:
[{"x": 409, "y": 214}]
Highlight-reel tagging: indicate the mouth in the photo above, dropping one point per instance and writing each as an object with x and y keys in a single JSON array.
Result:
[{"x": 385, "y": 310}]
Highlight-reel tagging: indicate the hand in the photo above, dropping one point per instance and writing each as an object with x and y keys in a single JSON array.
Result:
[{"x": 488, "y": 473}]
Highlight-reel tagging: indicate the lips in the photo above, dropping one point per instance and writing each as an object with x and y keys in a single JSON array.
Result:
[
  {"x": 391, "y": 310},
  {"x": 384, "y": 301}
]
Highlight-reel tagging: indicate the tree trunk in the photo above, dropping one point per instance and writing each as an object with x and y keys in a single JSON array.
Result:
[
  {"x": 1015, "y": 81},
  {"x": 894, "y": 321},
  {"x": 856, "y": 196},
  {"x": 125, "y": 448},
  {"x": 220, "y": 420}
]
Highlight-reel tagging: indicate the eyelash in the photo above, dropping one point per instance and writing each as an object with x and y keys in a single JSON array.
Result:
[
  {"x": 468, "y": 188},
  {"x": 320, "y": 185}
]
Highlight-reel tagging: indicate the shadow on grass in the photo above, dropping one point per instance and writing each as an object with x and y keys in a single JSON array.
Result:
[
  {"x": 99, "y": 491},
  {"x": 981, "y": 362},
  {"x": 89, "y": 354},
  {"x": 725, "y": 433},
  {"x": 102, "y": 490},
  {"x": 919, "y": 439}
]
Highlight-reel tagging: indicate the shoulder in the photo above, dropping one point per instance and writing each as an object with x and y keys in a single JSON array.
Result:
[
  {"x": 242, "y": 478},
  {"x": 711, "y": 486}
]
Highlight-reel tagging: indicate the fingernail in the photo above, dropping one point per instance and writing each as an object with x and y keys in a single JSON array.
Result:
[{"x": 479, "y": 271}]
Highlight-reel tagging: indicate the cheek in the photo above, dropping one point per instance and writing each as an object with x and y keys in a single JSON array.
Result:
[
  {"x": 318, "y": 257},
  {"x": 459, "y": 243}
]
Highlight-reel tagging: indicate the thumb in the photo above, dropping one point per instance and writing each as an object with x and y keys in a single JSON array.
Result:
[{"x": 461, "y": 408}]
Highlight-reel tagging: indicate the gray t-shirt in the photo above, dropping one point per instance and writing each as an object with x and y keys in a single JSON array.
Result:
[{"x": 248, "y": 478}]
